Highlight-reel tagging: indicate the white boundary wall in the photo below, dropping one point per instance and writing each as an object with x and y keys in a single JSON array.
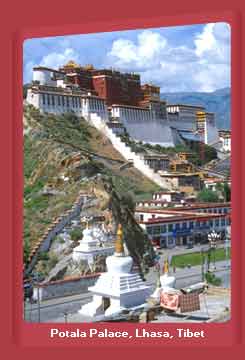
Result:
[{"x": 125, "y": 150}]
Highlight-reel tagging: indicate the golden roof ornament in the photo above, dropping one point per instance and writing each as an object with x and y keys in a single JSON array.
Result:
[
  {"x": 88, "y": 67},
  {"x": 119, "y": 249},
  {"x": 71, "y": 63}
]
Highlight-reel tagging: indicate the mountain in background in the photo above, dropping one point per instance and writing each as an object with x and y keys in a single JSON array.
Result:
[{"x": 218, "y": 101}]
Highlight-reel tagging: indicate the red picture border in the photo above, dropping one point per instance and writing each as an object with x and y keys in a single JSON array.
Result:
[{"x": 27, "y": 20}]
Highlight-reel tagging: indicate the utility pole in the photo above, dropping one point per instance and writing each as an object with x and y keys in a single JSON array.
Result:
[
  {"x": 38, "y": 303},
  {"x": 213, "y": 236},
  {"x": 202, "y": 266},
  {"x": 66, "y": 317}
]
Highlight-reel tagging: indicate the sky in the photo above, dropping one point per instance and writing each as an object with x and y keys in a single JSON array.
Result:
[{"x": 183, "y": 58}]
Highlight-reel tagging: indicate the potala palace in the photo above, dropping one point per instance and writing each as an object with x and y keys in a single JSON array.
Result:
[{"x": 118, "y": 102}]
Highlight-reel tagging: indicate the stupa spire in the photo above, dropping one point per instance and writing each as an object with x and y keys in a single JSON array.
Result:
[
  {"x": 119, "y": 249},
  {"x": 166, "y": 267}
]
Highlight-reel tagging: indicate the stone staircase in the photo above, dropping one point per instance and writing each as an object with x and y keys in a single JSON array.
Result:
[{"x": 131, "y": 157}]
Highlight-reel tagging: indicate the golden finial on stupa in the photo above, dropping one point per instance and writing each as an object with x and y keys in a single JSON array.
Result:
[
  {"x": 119, "y": 249},
  {"x": 166, "y": 267}
]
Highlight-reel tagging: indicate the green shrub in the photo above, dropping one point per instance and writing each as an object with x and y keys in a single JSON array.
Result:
[
  {"x": 53, "y": 260},
  {"x": 76, "y": 234},
  {"x": 212, "y": 279},
  {"x": 207, "y": 195},
  {"x": 43, "y": 256},
  {"x": 60, "y": 240}
]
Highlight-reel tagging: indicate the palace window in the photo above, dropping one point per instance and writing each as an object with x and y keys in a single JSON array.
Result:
[
  {"x": 63, "y": 100},
  {"x": 43, "y": 99},
  {"x": 149, "y": 230},
  {"x": 170, "y": 240},
  {"x": 48, "y": 100},
  {"x": 170, "y": 227},
  {"x": 163, "y": 240},
  {"x": 217, "y": 222},
  {"x": 156, "y": 230},
  {"x": 59, "y": 100},
  {"x": 163, "y": 228}
]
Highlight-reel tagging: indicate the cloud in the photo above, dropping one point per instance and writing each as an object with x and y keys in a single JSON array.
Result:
[
  {"x": 55, "y": 60},
  {"x": 52, "y": 60},
  {"x": 183, "y": 58},
  {"x": 213, "y": 44},
  {"x": 204, "y": 66},
  {"x": 144, "y": 54}
]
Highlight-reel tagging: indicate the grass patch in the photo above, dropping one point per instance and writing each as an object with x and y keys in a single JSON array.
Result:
[{"x": 195, "y": 258}]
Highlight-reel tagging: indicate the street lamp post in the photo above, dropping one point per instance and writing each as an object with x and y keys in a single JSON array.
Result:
[
  {"x": 203, "y": 258},
  {"x": 38, "y": 303},
  {"x": 227, "y": 246},
  {"x": 213, "y": 236},
  {"x": 66, "y": 317}
]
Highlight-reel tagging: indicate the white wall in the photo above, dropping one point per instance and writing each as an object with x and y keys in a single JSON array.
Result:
[
  {"x": 44, "y": 77},
  {"x": 125, "y": 150}
]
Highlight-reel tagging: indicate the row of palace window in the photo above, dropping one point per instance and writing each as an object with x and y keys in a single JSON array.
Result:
[
  {"x": 214, "y": 211},
  {"x": 161, "y": 229},
  {"x": 61, "y": 100},
  {"x": 69, "y": 101},
  {"x": 135, "y": 114},
  {"x": 95, "y": 104}
]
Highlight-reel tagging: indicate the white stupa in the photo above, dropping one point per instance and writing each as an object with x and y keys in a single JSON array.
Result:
[
  {"x": 121, "y": 288},
  {"x": 165, "y": 283},
  {"x": 90, "y": 246}
]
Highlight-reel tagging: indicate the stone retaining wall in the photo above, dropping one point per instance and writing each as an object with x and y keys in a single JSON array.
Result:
[{"x": 60, "y": 288}]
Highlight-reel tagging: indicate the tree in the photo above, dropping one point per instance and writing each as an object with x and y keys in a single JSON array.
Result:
[
  {"x": 128, "y": 200},
  {"x": 225, "y": 191},
  {"x": 207, "y": 195},
  {"x": 25, "y": 88}
]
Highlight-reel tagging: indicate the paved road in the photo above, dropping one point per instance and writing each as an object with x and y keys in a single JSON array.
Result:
[
  {"x": 51, "y": 310},
  {"x": 56, "y": 308}
]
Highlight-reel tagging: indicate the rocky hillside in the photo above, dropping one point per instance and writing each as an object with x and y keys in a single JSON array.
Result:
[{"x": 63, "y": 155}]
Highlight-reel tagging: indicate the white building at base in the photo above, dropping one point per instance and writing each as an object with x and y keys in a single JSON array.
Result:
[{"x": 119, "y": 288}]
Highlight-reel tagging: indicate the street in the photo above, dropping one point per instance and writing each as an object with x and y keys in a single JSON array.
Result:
[
  {"x": 56, "y": 308},
  {"x": 50, "y": 310}
]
